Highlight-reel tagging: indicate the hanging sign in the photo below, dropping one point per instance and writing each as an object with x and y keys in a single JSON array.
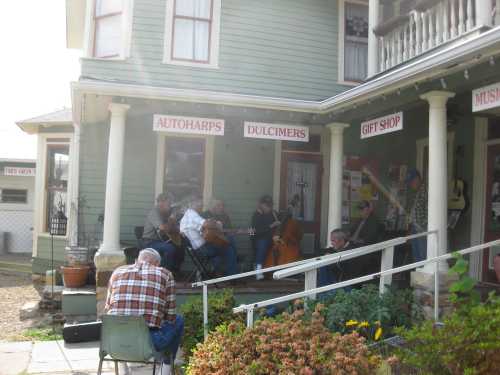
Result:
[
  {"x": 486, "y": 97},
  {"x": 188, "y": 125},
  {"x": 19, "y": 171},
  {"x": 276, "y": 131},
  {"x": 382, "y": 125}
]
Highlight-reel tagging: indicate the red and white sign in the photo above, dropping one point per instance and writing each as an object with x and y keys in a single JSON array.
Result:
[
  {"x": 188, "y": 125},
  {"x": 382, "y": 125},
  {"x": 18, "y": 171},
  {"x": 276, "y": 131},
  {"x": 486, "y": 97}
]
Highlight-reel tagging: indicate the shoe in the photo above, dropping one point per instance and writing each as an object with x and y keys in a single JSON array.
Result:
[
  {"x": 165, "y": 369},
  {"x": 259, "y": 276}
]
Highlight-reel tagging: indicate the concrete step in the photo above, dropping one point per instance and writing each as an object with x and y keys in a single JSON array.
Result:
[{"x": 78, "y": 303}]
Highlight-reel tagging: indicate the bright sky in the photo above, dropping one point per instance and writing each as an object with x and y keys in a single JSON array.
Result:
[{"x": 35, "y": 69}]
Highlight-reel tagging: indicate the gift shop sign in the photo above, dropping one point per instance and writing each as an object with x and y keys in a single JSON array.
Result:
[
  {"x": 18, "y": 171},
  {"x": 188, "y": 125},
  {"x": 486, "y": 97},
  {"x": 382, "y": 125},
  {"x": 276, "y": 131}
]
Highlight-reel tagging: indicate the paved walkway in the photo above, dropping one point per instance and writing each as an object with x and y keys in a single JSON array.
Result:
[{"x": 55, "y": 357}]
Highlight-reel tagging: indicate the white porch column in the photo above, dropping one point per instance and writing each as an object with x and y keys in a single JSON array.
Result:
[
  {"x": 336, "y": 170},
  {"x": 111, "y": 230},
  {"x": 373, "y": 18},
  {"x": 438, "y": 176},
  {"x": 484, "y": 13}
]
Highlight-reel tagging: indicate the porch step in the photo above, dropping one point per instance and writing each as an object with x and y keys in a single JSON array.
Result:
[{"x": 79, "y": 304}]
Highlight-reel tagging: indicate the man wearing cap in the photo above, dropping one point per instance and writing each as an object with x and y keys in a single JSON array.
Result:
[
  {"x": 418, "y": 214},
  {"x": 367, "y": 230}
]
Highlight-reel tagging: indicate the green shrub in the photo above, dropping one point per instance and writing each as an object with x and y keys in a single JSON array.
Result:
[
  {"x": 394, "y": 308},
  {"x": 220, "y": 310},
  {"x": 283, "y": 345},
  {"x": 467, "y": 343}
]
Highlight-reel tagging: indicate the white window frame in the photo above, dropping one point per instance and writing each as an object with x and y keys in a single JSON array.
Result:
[
  {"x": 209, "y": 163},
  {"x": 341, "y": 43},
  {"x": 214, "y": 40},
  {"x": 127, "y": 21}
]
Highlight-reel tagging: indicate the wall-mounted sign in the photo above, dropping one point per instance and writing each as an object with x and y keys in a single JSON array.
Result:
[
  {"x": 18, "y": 171},
  {"x": 382, "y": 125},
  {"x": 486, "y": 97},
  {"x": 188, "y": 125},
  {"x": 276, "y": 131}
]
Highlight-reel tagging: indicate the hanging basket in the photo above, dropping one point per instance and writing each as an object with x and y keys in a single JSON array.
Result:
[{"x": 75, "y": 276}]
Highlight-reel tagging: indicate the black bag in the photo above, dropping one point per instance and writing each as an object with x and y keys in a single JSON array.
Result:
[{"x": 82, "y": 332}]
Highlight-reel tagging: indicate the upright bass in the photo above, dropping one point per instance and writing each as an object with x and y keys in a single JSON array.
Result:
[{"x": 286, "y": 242}]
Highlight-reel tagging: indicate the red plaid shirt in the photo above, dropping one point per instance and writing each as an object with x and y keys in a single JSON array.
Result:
[{"x": 142, "y": 289}]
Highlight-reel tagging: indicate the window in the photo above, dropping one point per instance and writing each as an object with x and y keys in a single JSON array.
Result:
[
  {"x": 13, "y": 196},
  {"x": 184, "y": 167},
  {"x": 355, "y": 64},
  {"x": 56, "y": 180},
  {"x": 108, "y": 31},
  {"x": 192, "y": 33}
]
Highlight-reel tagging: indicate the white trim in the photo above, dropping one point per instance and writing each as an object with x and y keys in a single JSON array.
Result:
[
  {"x": 478, "y": 194},
  {"x": 424, "y": 142},
  {"x": 214, "y": 38},
  {"x": 74, "y": 187},
  {"x": 341, "y": 41},
  {"x": 127, "y": 24},
  {"x": 208, "y": 167}
]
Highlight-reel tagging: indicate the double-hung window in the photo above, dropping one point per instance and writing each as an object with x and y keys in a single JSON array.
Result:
[
  {"x": 355, "y": 41},
  {"x": 192, "y": 32},
  {"x": 108, "y": 30}
]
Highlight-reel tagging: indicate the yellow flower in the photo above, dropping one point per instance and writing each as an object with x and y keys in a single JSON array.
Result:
[
  {"x": 351, "y": 323},
  {"x": 378, "y": 333},
  {"x": 377, "y": 322},
  {"x": 363, "y": 324}
]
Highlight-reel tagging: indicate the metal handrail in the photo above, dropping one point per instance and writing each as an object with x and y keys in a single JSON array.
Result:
[{"x": 306, "y": 293}]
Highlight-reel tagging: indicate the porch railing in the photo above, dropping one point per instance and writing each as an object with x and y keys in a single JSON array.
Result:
[
  {"x": 309, "y": 268},
  {"x": 431, "y": 24},
  {"x": 383, "y": 273}
]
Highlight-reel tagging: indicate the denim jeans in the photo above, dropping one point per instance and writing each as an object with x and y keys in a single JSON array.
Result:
[
  {"x": 219, "y": 256},
  {"x": 168, "y": 337},
  {"x": 262, "y": 245},
  {"x": 418, "y": 246},
  {"x": 167, "y": 252}
]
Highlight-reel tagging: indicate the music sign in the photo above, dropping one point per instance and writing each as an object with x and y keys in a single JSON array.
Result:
[
  {"x": 276, "y": 131},
  {"x": 486, "y": 97},
  {"x": 19, "y": 171},
  {"x": 382, "y": 125},
  {"x": 188, "y": 125}
]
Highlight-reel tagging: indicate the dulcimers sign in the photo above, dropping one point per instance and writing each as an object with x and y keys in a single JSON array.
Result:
[
  {"x": 382, "y": 125},
  {"x": 276, "y": 131},
  {"x": 188, "y": 125}
]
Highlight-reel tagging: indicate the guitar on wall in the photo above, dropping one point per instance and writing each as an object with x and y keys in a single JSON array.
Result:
[{"x": 457, "y": 199}]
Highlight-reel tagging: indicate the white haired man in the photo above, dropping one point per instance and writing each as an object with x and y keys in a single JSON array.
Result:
[{"x": 148, "y": 290}]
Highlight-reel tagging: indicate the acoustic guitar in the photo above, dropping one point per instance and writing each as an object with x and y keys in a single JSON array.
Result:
[
  {"x": 457, "y": 199},
  {"x": 214, "y": 234}
]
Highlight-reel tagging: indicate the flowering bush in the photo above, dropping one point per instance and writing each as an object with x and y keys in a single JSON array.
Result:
[{"x": 285, "y": 345}]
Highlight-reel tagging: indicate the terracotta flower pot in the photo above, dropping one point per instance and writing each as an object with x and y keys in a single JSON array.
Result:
[
  {"x": 75, "y": 276},
  {"x": 496, "y": 266}
]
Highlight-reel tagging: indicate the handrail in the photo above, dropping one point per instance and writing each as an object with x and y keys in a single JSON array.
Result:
[{"x": 250, "y": 307}]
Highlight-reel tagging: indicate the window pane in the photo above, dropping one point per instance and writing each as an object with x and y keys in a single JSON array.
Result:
[
  {"x": 13, "y": 196},
  {"x": 108, "y": 36},
  {"x": 202, "y": 33},
  {"x": 57, "y": 181},
  {"x": 183, "y": 39},
  {"x": 301, "y": 189},
  {"x": 355, "y": 61},
  {"x": 202, "y": 9},
  {"x": 356, "y": 20},
  {"x": 104, "y": 7},
  {"x": 184, "y": 167},
  {"x": 184, "y": 8}
]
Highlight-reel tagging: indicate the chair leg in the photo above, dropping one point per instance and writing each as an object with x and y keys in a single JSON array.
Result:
[
  {"x": 154, "y": 367},
  {"x": 116, "y": 368},
  {"x": 99, "y": 370}
]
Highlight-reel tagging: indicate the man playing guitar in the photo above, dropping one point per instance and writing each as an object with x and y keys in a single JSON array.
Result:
[{"x": 161, "y": 233}]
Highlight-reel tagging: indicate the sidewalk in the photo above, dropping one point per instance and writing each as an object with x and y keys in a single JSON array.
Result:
[{"x": 56, "y": 357}]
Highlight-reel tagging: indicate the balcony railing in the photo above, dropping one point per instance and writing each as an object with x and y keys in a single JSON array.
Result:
[{"x": 431, "y": 24}]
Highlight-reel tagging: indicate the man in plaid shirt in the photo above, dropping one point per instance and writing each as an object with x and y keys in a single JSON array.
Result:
[{"x": 146, "y": 289}]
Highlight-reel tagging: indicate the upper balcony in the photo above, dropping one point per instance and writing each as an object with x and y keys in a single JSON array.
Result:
[{"x": 427, "y": 25}]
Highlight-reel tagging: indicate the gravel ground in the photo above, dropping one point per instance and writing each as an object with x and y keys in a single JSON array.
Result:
[{"x": 15, "y": 290}]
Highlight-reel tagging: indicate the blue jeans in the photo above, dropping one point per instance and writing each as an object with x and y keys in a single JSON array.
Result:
[
  {"x": 262, "y": 245},
  {"x": 167, "y": 252},
  {"x": 218, "y": 256},
  {"x": 168, "y": 337},
  {"x": 418, "y": 246}
]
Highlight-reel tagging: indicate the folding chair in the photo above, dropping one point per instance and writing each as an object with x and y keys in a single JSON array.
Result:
[
  {"x": 127, "y": 339},
  {"x": 202, "y": 267}
]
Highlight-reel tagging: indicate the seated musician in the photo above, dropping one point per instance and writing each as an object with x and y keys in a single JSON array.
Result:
[
  {"x": 192, "y": 225},
  {"x": 264, "y": 221},
  {"x": 217, "y": 212},
  {"x": 337, "y": 272},
  {"x": 156, "y": 228}
]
